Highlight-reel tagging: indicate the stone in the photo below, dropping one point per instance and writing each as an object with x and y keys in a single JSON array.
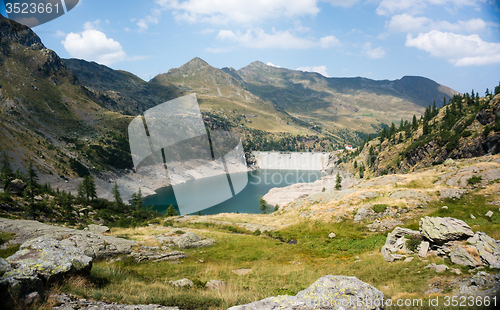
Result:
[
  {"x": 423, "y": 249},
  {"x": 444, "y": 207},
  {"x": 92, "y": 244},
  {"x": 437, "y": 268},
  {"x": 460, "y": 256},
  {"x": 327, "y": 292},
  {"x": 449, "y": 162},
  {"x": 215, "y": 284},
  {"x": 364, "y": 212},
  {"x": 384, "y": 225},
  {"x": 242, "y": 272},
  {"x": 66, "y": 302},
  {"x": 488, "y": 248},
  {"x": 142, "y": 256},
  {"x": 48, "y": 258},
  {"x": 441, "y": 230},
  {"x": 472, "y": 216},
  {"x": 185, "y": 241},
  {"x": 489, "y": 214},
  {"x": 480, "y": 285},
  {"x": 98, "y": 229},
  {"x": 408, "y": 259},
  {"x": 4, "y": 266},
  {"x": 182, "y": 283},
  {"x": 16, "y": 187},
  {"x": 31, "y": 298},
  {"x": 331, "y": 235},
  {"x": 453, "y": 193},
  {"x": 456, "y": 271}
]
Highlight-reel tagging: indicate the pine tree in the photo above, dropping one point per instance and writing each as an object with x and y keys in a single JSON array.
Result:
[
  {"x": 263, "y": 206},
  {"x": 137, "y": 199},
  {"x": 172, "y": 212},
  {"x": 338, "y": 182},
  {"x": 31, "y": 187},
  {"x": 87, "y": 188},
  {"x": 414, "y": 124},
  {"x": 5, "y": 172},
  {"x": 497, "y": 89},
  {"x": 116, "y": 195}
]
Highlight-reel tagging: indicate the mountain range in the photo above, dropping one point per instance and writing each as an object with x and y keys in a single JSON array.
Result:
[{"x": 70, "y": 116}]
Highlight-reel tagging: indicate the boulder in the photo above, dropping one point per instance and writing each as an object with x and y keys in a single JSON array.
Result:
[
  {"x": 215, "y": 284},
  {"x": 441, "y": 230},
  {"x": 480, "y": 285},
  {"x": 98, "y": 229},
  {"x": 396, "y": 242},
  {"x": 455, "y": 193},
  {"x": 16, "y": 187},
  {"x": 47, "y": 258},
  {"x": 67, "y": 302},
  {"x": 182, "y": 283},
  {"x": 4, "y": 266},
  {"x": 488, "y": 248},
  {"x": 185, "y": 241},
  {"x": 423, "y": 249},
  {"x": 331, "y": 235},
  {"x": 437, "y": 268},
  {"x": 460, "y": 256},
  {"x": 328, "y": 292},
  {"x": 489, "y": 214}
]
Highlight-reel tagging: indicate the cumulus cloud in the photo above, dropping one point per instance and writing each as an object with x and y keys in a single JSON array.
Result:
[
  {"x": 408, "y": 23},
  {"x": 318, "y": 69},
  {"x": 459, "y": 50},
  {"x": 258, "y": 38},
  {"x": 239, "y": 12},
  {"x": 389, "y": 7},
  {"x": 94, "y": 45},
  {"x": 272, "y": 65},
  {"x": 150, "y": 19},
  {"x": 374, "y": 53}
]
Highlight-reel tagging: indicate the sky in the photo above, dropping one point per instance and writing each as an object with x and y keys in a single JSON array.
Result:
[{"x": 453, "y": 42}]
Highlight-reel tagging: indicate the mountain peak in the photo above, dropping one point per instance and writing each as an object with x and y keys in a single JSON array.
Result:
[
  {"x": 15, "y": 32},
  {"x": 196, "y": 62}
]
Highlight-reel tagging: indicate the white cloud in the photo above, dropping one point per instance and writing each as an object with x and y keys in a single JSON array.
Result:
[
  {"x": 459, "y": 50},
  {"x": 272, "y": 65},
  {"x": 328, "y": 41},
  {"x": 374, "y": 53},
  {"x": 238, "y": 12},
  {"x": 408, "y": 23},
  {"x": 318, "y": 69},
  {"x": 94, "y": 45},
  {"x": 258, "y": 38},
  {"x": 389, "y": 7},
  {"x": 150, "y": 19}
]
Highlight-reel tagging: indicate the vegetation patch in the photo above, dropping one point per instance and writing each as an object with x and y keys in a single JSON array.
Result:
[{"x": 379, "y": 208}]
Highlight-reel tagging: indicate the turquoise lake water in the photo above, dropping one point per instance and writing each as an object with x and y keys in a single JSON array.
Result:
[{"x": 246, "y": 201}]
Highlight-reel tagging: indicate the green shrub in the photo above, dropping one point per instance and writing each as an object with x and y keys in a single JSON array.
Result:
[
  {"x": 466, "y": 133},
  {"x": 168, "y": 223},
  {"x": 474, "y": 180},
  {"x": 412, "y": 243},
  {"x": 256, "y": 233},
  {"x": 379, "y": 208},
  {"x": 179, "y": 232},
  {"x": 284, "y": 291},
  {"x": 199, "y": 284}
]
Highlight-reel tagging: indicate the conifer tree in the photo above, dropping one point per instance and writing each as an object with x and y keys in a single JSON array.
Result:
[
  {"x": 116, "y": 195},
  {"x": 87, "y": 188},
  {"x": 137, "y": 199},
  {"x": 31, "y": 187},
  {"x": 338, "y": 183},
  {"x": 5, "y": 171}
]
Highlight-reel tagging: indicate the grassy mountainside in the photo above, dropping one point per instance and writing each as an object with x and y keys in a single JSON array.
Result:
[
  {"x": 48, "y": 117},
  {"x": 467, "y": 126}
]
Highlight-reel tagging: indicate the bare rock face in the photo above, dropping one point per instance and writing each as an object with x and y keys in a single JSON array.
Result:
[
  {"x": 441, "y": 230},
  {"x": 460, "y": 256},
  {"x": 157, "y": 256},
  {"x": 328, "y": 292},
  {"x": 488, "y": 248},
  {"x": 452, "y": 193},
  {"x": 67, "y": 302},
  {"x": 98, "y": 229}
]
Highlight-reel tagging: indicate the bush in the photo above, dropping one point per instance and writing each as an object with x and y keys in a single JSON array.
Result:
[
  {"x": 199, "y": 284},
  {"x": 179, "y": 232},
  {"x": 256, "y": 233},
  {"x": 379, "y": 208},
  {"x": 474, "y": 180},
  {"x": 412, "y": 243}
]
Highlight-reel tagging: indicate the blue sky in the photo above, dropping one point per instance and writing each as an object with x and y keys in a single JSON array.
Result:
[{"x": 454, "y": 42}]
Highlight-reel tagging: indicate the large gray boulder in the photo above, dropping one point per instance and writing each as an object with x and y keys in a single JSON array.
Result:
[
  {"x": 440, "y": 230},
  {"x": 39, "y": 262},
  {"x": 156, "y": 256},
  {"x": 328, "y": 292},
  {"x": 488, "y": 248},
  {"x": 92, "y": 244},
  {"x": 67, "y": 302},
  {"x": 98, "y": 229},
  {"x": 47, "y": 258}
]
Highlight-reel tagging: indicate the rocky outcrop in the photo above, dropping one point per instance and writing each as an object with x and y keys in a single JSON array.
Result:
[
  {"x": 455, "y": 193},
  {"x": 185, "y": 241},
  {"x": 488, "y": 249},
  {"x": 440, "y": 230},
  {"x": 182, "y": 283},
  {"x": 92, "y": 244},
  {"x": 460, "y": 256},
  {"x": 481, "y": 284},
  {"x": 248, "y": 226},
  {"x": 37, "y": 264},
  {"x": 68, "y": 302},
  {"x": 16, "y": 187},
  {"x": 98, "y": 229},
  {"x": 328, "y": 292},
  {"x": 396, "y": 242}
]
